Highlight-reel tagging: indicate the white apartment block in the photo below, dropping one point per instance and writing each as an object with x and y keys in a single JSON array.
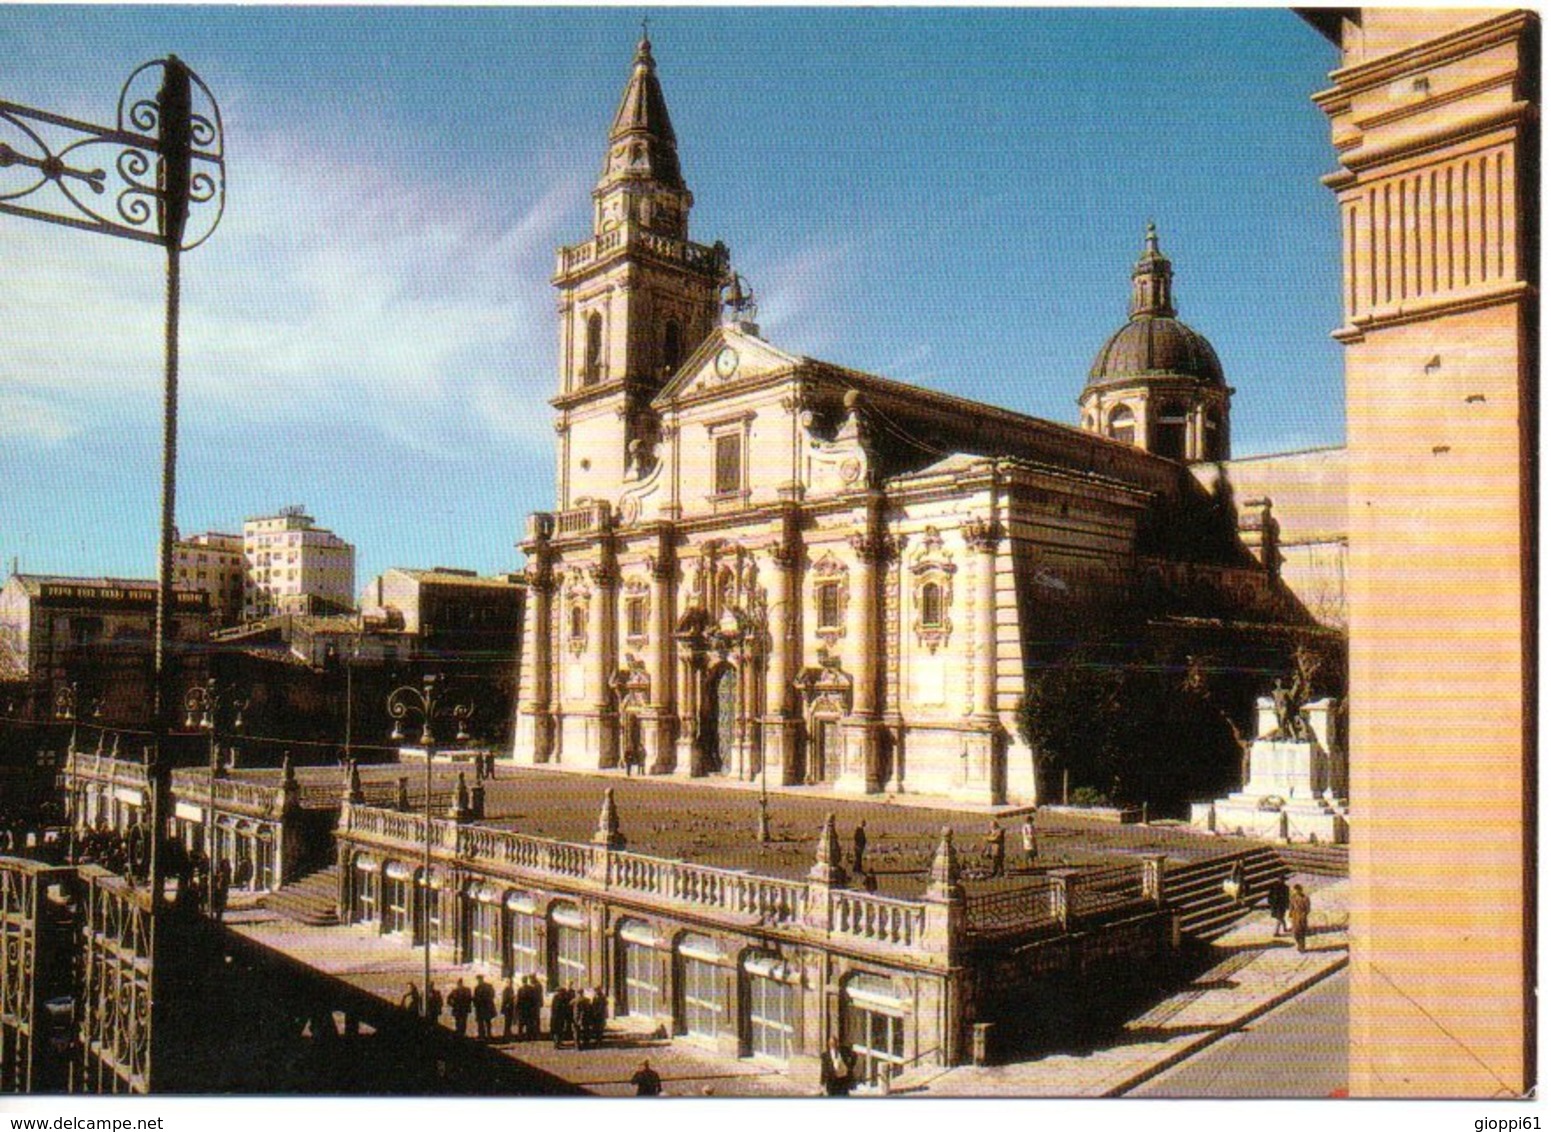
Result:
[
  {"x": 212, "y": 563},
  {"x": 294, "y": 566}
]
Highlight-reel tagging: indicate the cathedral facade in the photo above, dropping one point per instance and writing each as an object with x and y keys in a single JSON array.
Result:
[{"x": 762, "y": 564}]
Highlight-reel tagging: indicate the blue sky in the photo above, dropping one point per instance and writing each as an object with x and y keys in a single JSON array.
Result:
[{"x": 950, "y": 197}]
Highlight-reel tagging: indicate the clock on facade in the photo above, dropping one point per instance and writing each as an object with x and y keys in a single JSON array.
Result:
[{"x": 727, "y": 362}]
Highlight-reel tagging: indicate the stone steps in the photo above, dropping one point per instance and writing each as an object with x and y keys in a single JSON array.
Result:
[
  {"x": 1321, "y": 860},
  {"x": 1195, "y": 890},
  {"x": 310, "y": 899}
]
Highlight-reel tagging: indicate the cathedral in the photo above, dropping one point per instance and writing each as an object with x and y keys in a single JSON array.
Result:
[{"x": 764, "y": 565}]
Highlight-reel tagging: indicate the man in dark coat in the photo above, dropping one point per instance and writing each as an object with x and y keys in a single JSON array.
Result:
[
  {"x": 597, "y": 1017},
  {"x": 433, "y": 1006},
  {"x": 460, "y": 1000},
  {"x": 837, "y": 1071},
  {"x": 484, "y": 1007},
  {"x": 508, "y": 1009},
  {"x": 530, "y": 1004},
  {"x": 859, "y": 848},
  {"x": 995, "y": 851},
  {"x": 646, "y": 1081},
  {"x": 561, "y": 1016},
  {"x": 1277, "y": 901}
]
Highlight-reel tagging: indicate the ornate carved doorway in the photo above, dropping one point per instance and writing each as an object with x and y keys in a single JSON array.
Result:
[{"x": 721, "y": 719}]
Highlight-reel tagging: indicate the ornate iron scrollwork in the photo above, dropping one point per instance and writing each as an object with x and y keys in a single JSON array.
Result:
[{"x": 157, "y": 175}]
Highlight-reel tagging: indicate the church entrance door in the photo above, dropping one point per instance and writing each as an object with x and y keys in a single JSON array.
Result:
[
  {"x": 722, "y": 732},
  {"x": 826, "y": 749}
]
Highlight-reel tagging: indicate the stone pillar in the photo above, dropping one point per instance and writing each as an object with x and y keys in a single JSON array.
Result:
[
  {"x": 860, "y": 731},
  {"x": 781, "y": 721},
  {"x": 1154, "y": 877},
  {"x": 605, "y": 838},
  {"x": 605, "y": 581},
  {"x": 657, "y": 723},
  {"x": 534, "y": 734},
  {"x": 985, "y": 743},
  {"x": 944, "y": 936},
  {"x": 826, "y": 874}
]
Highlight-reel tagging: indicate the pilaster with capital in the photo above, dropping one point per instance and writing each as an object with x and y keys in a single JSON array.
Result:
[
  {"x": 860, "y": 731},
  {"x": 605, "y": 582},
  {"x": 984, "y": 536},
  {"x": 780, "y": 722},
  {"x": 534, "y": 733}
]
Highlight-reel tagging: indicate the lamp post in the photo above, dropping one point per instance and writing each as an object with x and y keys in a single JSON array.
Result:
[
  {"x": 426, "y": 702},
  {"x": 204, "y": 704}
]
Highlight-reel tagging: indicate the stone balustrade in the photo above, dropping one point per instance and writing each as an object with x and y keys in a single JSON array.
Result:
[
  {"x": 697, "y": 257},
  {"x": 855, "y": 920}
]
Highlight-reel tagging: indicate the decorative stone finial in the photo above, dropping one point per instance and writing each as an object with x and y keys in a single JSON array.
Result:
[
  {"x": 607, "y": 833},
  {"x": 945, "y": 869},
  {"x": 401, "y": 799},
  {"x": 353, "y": 792},
  {"x": 826, "y": 866},
  {"x": 460, "y": 799},
  {"x": 287, "y": 770}
]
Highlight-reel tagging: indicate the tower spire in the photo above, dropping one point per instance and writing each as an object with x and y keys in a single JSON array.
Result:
[
  {"x": 1152, "y": 280},
  {"x": 642, "y": 145}
]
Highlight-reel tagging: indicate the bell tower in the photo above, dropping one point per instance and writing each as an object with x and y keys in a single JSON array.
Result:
[{"x": 635, "y": 298}]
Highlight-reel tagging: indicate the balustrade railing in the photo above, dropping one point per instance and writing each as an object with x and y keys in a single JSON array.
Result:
[
  {"x": 696, "y": 256},
  {"x": 587, "y": 519},
  {"x": 770, "y": 901},
  {"x": 880, "y": 919},
  {"x": 1027, "y": 908},
  {"x": 1104, "y": 890}
]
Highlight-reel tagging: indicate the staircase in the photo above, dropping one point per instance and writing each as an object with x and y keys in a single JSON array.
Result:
[
  {"x": 1321, "y": 860},
  {"x": 309, "y": 899},
  {"x": 1195, "y": 891}
]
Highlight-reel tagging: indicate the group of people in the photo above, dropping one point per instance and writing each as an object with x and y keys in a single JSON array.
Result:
[
  {"x": 576, "y": 1017},
  {"x": 994, "y": 850},
  {"x": 1292, "y": 906}
]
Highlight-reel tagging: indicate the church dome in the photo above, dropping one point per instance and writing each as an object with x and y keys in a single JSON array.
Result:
[
  {"x": 1155, "y": 343},
  {"x": 1156, "y": 346}
]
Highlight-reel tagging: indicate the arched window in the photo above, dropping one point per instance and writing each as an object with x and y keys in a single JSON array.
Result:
[
  {"x": 1122, "y": 425},
  {"x": 931, "y": 606},
  {"x": 700, "y": 985},
  {"x": 593, "y": 372},
  {"x": 1211, "y": 446},
  {"x": 672, "y": 346},
  {"x": 1169, "y": 429}
]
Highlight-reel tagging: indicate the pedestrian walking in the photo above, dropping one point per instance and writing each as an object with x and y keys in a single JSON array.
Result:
[
  {"x": 1030, "y": 846},
  {"x": 859, "y": 848},
  {"x": 433, "y": 1005},
  {"x": 646, "y": 1081},
  {"x": 508, "y": 1009},
  {"x": 410, "y": 1000},
  {"x": 1277, "y": 900},
  {"x": 1298, "y": 909},
  {"x": 995, "y": 851},
  {"x": 460, "y": 1000},
  {"x": 484, "y": 1007}
]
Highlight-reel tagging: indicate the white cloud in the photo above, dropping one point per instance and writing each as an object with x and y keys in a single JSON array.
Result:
[
  {"x": 352, "y": 285},
  {"x": 27, "y": 418}
]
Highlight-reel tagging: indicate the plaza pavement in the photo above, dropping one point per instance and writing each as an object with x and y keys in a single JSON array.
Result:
[
  {"x": 1249, "y": 973},
  {"x": 713, "y": 822}
]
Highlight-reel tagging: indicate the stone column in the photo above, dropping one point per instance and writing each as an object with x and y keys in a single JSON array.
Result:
[
  {"x": 780, "y": 722},
  {"x": 985, "y": 742},
  {"x": 860, "y": 730},
  {"x": 605, "y": 583},
  {"x": 657, "y": 728},
  {"x": 534, "y": 735},
  {"x": 944, "y": 937}
]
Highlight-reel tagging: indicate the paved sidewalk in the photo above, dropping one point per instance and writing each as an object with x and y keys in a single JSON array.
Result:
[{"x": 1252, "y": 974}]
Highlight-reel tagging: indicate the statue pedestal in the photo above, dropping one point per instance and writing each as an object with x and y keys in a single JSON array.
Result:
[{"x": 1290, "y": 796}]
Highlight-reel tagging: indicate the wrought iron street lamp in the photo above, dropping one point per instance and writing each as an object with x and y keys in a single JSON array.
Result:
[
  {"x": 158, "y": 175},
  {"x": 205, "y": 704},
  {"x": 426, "y": 702}
]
